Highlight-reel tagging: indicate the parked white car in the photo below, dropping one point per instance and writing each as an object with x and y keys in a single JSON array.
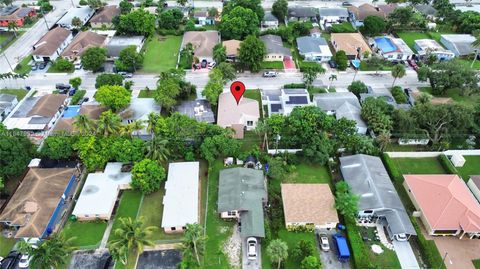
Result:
[
  {"x": 324, "y": 242},
  {"x": 24, "y": 261},
  {"x": 252, "y": 248},
  {"x": 401, "y": 237},
  {"x": 211, "y": 65}
]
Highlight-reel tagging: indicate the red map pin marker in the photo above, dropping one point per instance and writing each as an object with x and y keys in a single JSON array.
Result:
[{"x": 237, "y": 89}]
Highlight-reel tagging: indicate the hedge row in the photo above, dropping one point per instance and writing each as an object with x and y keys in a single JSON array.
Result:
[
  {"x": 295, "y": 86},
  {"x": 447, "y": 164},
  {"x": 359, "y": 251},
  {"x": 428, "y": 248},
  {"x": 78, "y": 96},
  {"x": 392, "y": 168}
]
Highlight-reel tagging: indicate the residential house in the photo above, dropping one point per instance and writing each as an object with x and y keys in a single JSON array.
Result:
[
  {"x": 119, "y": 43},
  {"x": 314, "y": 49},
  {"x": 180, "y": 203},
  {"x": 444, "y": 204},
  {"x": 474, "y": 186},
  {"x": 203, "y": 43},
  {"x": 15, "y": 14},
  {"x": 40, "y": 201},
  {"x": 353, "y": 44},
  {"x": 269, "y": 21},
  {"x": 138, "y": 109},
  {"x": 275, "y": 49},
  {"x": 37, "y": 114},
  {"x": 243, "y": 115},
  {"x": 92, "y": 111},
  {"x": 342, "y": 105},
  {"x": 329, "y": 16},
  {"x": 82, "y": 42},
  {"x": 368, "y": 178},
  {"x": 242, "y": 195},
  {"x": 100, "y": 192},
  {"x": 51, "y": 45},
  {"x": 202, "y": 18},
  {"x": 358, "y": 14},
  {"x": 429, "y": 46},
  {"x": 199, "y": 110},
  {"x": 83, "y": 13},
  {"x": 460, "y": 44},
  {"x": 104, "y": 17},
  {"x": 392, "y": 49},
  {"x": 231, "y": 49},
  {"x": 284, "y": 101},
  {"x": 426, "y": 10},
  {"x": 302, "y": 14},
  {"x": 309, "y": 204},
  {"x": 7, "y": 104},
  {"x": 315, "y": 32}
]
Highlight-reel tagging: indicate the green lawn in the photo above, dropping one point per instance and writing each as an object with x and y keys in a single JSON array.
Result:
[
  {"x": 6, "y": 244},
  {"x": 20, "y": 93},
  {"x": 24, "y": 67},
  {"x": 86, "y": 233},
  {"x": 419, "y": 165},
  {"x": 217, "y": 229},
  {"x": 471, "y": 167},
  {"x": 146, "y": 94},
  {"x": 410, "y": 37},
  {"x": 128, "y": 207},
  {"x": 476, "y": 263},
  {"x": 161, "y": 53},
  {"x": 454, "y": 94},
  {"x": 272, "y": 65},
  {"x": 309, "y": 173},
  {"x": 468, "y": 62},
  {"x": 53, "y": 69},
  {"x": 365, "y": 66},
  {"x": 4, "y": 36}
]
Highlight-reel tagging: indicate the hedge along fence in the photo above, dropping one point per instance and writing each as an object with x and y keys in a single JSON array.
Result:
[
  {"x": 359, "y": 251},
  {"x": 447, "y": 164}
]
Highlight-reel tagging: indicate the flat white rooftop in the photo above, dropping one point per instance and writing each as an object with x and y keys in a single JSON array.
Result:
[{"x": 181, "y": 198}]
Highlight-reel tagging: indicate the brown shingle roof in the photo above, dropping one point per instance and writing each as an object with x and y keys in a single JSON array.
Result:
[
  {"x": 50, "y": 42},
  {"x": 35, "y": 200},
  {"x": 48, "y": 105},
  {"x": 91, "y": 111},
  {"x": 106, "y": 14},
  {"x": 232, "y": 46},
  {"x": 349, "y": 42},
  {"x": 18, "y": 14},
  {"x": 82, "y": 42},
  {"x": 308, "y": 203},
  {"x": 203, "y": 42},
  {"x": 365, "y": 10}
]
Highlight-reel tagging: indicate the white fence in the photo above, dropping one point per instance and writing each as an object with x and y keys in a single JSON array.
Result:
[
  {"x": 278, "y": 151},
  {"x": 425, "y": 154}
]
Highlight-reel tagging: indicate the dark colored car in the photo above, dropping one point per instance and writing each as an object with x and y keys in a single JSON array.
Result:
[
  {"x": 42, "y": 66},
  {"x": 332, "y": 64},
  {"x": 84, "y": 100},
  {"x": 62, "y": 86},
  {"x": 346, "y": 4},
  {"x": 204, "y": 63},
  {"x": 11, "y": 260}
]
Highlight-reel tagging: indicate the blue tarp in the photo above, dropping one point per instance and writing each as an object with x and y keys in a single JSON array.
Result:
[{"x": 342, "y": 247}]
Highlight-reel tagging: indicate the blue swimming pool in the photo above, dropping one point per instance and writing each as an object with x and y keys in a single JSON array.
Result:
[
  {"x": 71, "y": 111},
  {"x": 385, "y": 44}
]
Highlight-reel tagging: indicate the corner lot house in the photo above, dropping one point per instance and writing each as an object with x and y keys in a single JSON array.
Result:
[
  {"x": 445, "y": 205},
  {"x": 352, "y": 43},
  {"x": 52, "y": 44},
  {"x": 203, "y": 43},
  {"x": 242, "y": 195},
  {"x": 275, "y": 49},
  {"x": 37, "y": 114},
  {"x": 245, "y": 115},
  {"x": 302, "y": 14},
  {"x": 180, "y": 203},
  {"x": 104, "y": 17},
  {"x": 82, "y": 42},
  {"x": 100, "y": 191},
  {"x": 15, "y": 14},
  {"x": 138, "y": 109},
  {"x": 460, "y": 44},
  {"x": 231, "y": 48},
  {"x": 119, "y": 43},
  {"x": 333, "y": 15},
  {"x": 7, "y": 104},
  {"x": 309, "y": 204},
  {"x": 430, "y": 46},
  {"x": 369, "y": 179},
  {"x": 393, "y": 49},
  {"x": 37, "y": 205},
  {"x": 284, "y": 101},
  {"x": 342, "y": 105},
  {"x": 314, "y": 49},
  {"x": 269, "y": 21},
  {"x": 83, "y": 13}
]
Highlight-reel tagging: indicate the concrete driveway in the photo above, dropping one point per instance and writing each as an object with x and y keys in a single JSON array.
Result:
[
  {"x": 251, "y": 264},
  {"x": 329, "y": 258},
  {"x": 405, "y": 255}
]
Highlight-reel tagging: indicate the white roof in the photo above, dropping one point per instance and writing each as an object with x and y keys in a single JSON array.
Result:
[
  {"x": 101, "y": 190},
  {"x": 181, "y": 198},
  {"x": 81, "y": 12}
]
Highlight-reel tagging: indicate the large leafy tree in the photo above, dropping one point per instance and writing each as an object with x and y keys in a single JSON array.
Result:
[
  {"x": 194, "y": 241},
  {"x": 377, "y": 113},
  {"x": 219, "y": 146},
  {"x": 170, "y": 19},
  {"x": 451, "y": 75},
  {"x": 357, "y": 87},
  {"x": 137, "y": 22},
  {"x": 398, "y": 71},
  {"x": 51, "y": 253},
  {"x": 373, "y": 26},
  {"x": 109, "y": 124},
  {"x": 129, "y": 59},
  {"x": 254, "y": 5},
  {"x": 75, "y": 82},
  {"x": 93, "y": 59},
  {"x": 251, "y": 53},
  {"x": 108, "y": 79},
  {"x": 280, "y": 9},
  {"x": 345, "y": 201},
  {"x": 58, "y": 147},
  {"x": 341, "y": 59},
  {"x": 219, "y": 53},
  {"x": 167, "y": 93},
  {"x": 239, "y": 23},
  {"x": 277, "y": 250},
  {"x": 113, "y": 97},
  {"x": 16, "y": 151},
  {"x": 311, "y": 73},
  {"x": 214, "y": 86},
  {"x": 125, "y": 7},
  {"x": 228, "y": 72},
  {"x": 147, "y": 176}
]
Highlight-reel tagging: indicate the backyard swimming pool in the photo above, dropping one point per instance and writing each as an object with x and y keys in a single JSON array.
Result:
[
  {"x": 71, "y": 111},
  {"x": 385, "y": 44}
]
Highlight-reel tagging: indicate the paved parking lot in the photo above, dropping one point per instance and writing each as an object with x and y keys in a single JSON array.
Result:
[{"x": 329, "y": 258}]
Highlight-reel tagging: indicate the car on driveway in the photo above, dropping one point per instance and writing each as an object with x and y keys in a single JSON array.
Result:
[
  {"x": 332, "y": 64},
  {"x": 346, "y": 4},
  {"x": 125, "y": 74},
  {"x": 211, "y": 65},
  {"x": 11, "y": 260},
  {"x": 204, "y": 63},
  {"x": 24, "y": 261},
  {"x": 270, "y": 74},
  {"x": 323, "y": 240},
  {"x": 62, "y": 86},
  {"x": 252, "y": 248},
  {"x": 413, "y": 64}
]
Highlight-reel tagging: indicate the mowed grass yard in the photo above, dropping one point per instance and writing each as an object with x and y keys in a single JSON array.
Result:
[
  {"x": 419, "y": 165},
  {"x": 20, "y": 93},
  {"x": 455, "y": 95},
  {"x": 471, "y": 167},
  {"x": 161, "y": 53},
  {"x": 128, "y": 207},
  {"x": 86, "y": 234},
  {"x": 6, "y": 244}
]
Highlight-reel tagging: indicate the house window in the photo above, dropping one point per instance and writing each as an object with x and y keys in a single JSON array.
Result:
[
  {"x": 232, "y": 213},
  {"x": 173, "y": 228},
  {"x": 249, "y": 123},
  {"x": 368, "y": 211},
  {"x": 184, "y": 227}
]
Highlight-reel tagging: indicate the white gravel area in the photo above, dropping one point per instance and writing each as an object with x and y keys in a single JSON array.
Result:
[{"x": 233, "y": 248}]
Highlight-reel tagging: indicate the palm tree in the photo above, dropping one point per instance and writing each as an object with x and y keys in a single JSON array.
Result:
[
  {"x": 157, "y": 149},
  {"x": 383, "y": 140},
  {"x": 278, "y": 251},
  {"x": 152, "y": 123},
  {"x": 331, "y": 78},
  {"x": 194, "y": 240},
  {"x": 109, "y": 124},
  {"x": 137, "y": 126},
  {"x": 130, "y": 235},
  {"x": 398, "y": 71},
  {"x": 83, "y": 124},
  {"x": 51, "y": 253},
  {"x": 13, "y": 27}
]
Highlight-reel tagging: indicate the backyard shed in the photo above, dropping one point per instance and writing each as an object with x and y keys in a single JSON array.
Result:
[{"x": 458, "y": 160}]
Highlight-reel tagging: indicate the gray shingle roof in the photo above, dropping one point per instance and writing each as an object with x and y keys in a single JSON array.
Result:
[
  {"x": 369, "y": 179},
  {"x": 269, "y": 17},
  {"x": 350, "y": 112},
  {"x": 302, "y": 12},
  {"x": 333, "y": 12},
  {"x": 309, "y": 44},
  {"x": 334, "y": 100},
  {"x": 426, "y": 10},
  {"x": 198, "y": 109},
  {"x": 274, "y": 44}
]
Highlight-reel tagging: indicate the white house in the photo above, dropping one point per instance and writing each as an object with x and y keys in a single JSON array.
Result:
[
  {"x": 269, "y": 21},
  {"x": 430, "y": 46},
  {"x": 284, "y": 101},
  {"x": 180, "y": 203},
  {"x": 52, "y": 44},
  {"x": 275, "y": 49},
  {"x": 83, "y": 13},
  {"x": 333, "y": 15},
  {"x": 314, "y": 49},
  {"x": 393, "y": 49},
  {"x": 460, "y": 44},
  {"x": 7, "y": 104}
]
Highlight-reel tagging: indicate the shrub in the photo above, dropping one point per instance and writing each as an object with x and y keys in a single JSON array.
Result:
[
  {"x": 62, "y": 65},
  {"x": 447, "y": 164},
  {"x": 359, "y": 251},
  {"x": 399, "y": 95},
  {"x": 294, "y": 86},
  {"x": 429, "y": 250},
  {"x": 301, "y": 228},
  {"x": 83, "y": 2},
  {"x": 79, "y": 94},
  {"x": 147, "y": 176},
  {"x": 392, "y": 168}
]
